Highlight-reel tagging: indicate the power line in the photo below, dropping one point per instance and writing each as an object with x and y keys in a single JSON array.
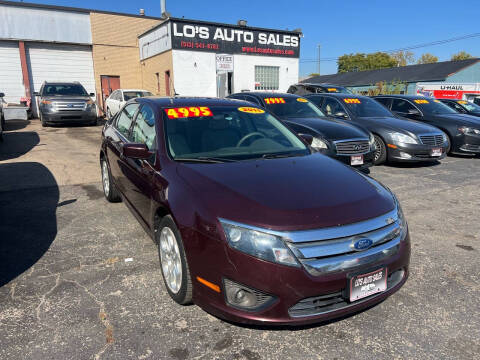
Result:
[{"x": 413, "y": 47}]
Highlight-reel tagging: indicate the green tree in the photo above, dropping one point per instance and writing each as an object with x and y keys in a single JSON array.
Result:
[
  {"x": 403, "y": 58},
  {"x": 462, "y": 55},
  {"x": 362, "y": 62},
  {"x": 313, "y": 74},
  {"x": 427, "y": 58}
]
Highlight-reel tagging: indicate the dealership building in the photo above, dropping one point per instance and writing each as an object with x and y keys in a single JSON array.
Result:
[{"x": 105, "y": 51}]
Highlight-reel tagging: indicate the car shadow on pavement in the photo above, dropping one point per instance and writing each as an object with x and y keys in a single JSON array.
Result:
[
  {"x": 12, "y": 125},
  {"x": 29, "y": 196},
  {"x": 407, "y": 165},
  {"x": 16, "y": 144}
]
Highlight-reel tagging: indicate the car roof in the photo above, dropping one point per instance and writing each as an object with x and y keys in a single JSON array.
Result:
[
  {"x": 164, "y": 101},
  {"x": 265, "y": 94},
  {"x": 336, "y": 95}
]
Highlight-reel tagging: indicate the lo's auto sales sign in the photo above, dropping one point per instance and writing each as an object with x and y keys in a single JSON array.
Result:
[{"x": 234, "y": 40}]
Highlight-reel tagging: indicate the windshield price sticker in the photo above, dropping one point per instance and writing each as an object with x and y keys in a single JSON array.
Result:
[
  {"x": 352, "y": 101},
  {"x": 421, "y": 101},
  {"x": 186, "y": 112},
  {"x": 463, "y": 102},
  {"x": 302, "y": 100},
  {"x": 251, "y": 110},
  {"x": 332, "y": 90},
  {"x": 274, "y": 100}
]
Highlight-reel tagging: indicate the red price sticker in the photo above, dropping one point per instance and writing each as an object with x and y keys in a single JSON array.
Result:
[
  {"x": 352, "y": 101},
  {"x": 274, "y": 100},
  {"x": 185, "y": 112}
]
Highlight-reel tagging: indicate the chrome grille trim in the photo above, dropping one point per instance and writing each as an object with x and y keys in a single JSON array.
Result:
[
  {"x": 431, "y": 139},
  {"x": 352, "y": 146},
  {"x": 69, "y": 105}
]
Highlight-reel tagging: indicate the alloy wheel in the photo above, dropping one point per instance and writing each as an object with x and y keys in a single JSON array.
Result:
[
  {"x": 170, "y": 260},
  {"x": 105, "y": 178},
  {"x": 378, "y": 150}
]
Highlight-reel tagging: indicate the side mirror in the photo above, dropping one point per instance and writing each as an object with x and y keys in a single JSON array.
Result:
[
  {"x": 341, "y": 115},
  {"x": 413, "y": 112},
  {"x": 307, "y": 138},
  {"x": 136, "y": 151},
  {"x": 91, "y": 94},
  {"x": 2, "y": 95}
]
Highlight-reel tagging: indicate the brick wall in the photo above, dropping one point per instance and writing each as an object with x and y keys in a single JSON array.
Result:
[
  {"x": 115, "y": 48},
  {"x": 157, "y": 64}
]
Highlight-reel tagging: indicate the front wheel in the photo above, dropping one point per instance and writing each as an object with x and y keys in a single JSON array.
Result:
[
  {"x": 109, "y": 190},
  {"x": 173, "y": 262},
  {"x": 380, "y": 151}
]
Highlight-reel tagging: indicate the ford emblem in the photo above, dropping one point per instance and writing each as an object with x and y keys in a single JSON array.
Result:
[{"x": 362, "y": 244}]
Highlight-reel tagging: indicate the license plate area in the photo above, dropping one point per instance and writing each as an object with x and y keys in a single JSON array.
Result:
[
  {"x": 436, "y": 152},
  {"x": 364, "y": 285},
  {"x": 356, "y": 160}
]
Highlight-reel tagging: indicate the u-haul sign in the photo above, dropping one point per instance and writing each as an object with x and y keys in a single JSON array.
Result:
[{"x": 448, "y": 90}]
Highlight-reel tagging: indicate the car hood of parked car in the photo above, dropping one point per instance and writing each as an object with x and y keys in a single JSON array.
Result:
[
  {"x": 295, "y": 193},
  {"x": 463, "y": 119},
  {"x": 399, "y": 125},
  {"x": 66, "y": 98},
  {"x": 331, "y": 129}
]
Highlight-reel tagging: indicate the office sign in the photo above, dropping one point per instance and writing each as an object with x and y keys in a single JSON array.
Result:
[
  {"x": 188, "y": 35},
  {"x": 224, "y": 62}
]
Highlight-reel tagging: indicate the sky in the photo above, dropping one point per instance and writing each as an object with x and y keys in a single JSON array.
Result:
[{"x": 339, "y": 26}]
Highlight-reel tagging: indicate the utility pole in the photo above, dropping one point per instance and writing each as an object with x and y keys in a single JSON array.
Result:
[{"x": 318, "y": 59}]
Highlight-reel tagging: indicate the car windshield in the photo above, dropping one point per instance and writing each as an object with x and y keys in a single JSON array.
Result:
[
  {"x": 292, "y": 107},
  {"x": 227, "y": 133},
  {"x": 365, "y": 107},
  {"x": 469, "y": 106},
  {"x": 64, "y": 89},
  {"x": 135, "y": 94},
  {"x": 433, "y": 107}
]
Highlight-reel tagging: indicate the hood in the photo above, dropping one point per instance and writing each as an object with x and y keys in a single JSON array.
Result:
[
  {"x": 400, "y": 125},
  {"x": 462, "y": 119},
  {"x": 331, "y": 129},
  {"x": 296, "y": 193}
]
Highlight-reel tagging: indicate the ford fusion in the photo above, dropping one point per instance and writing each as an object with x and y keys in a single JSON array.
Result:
[
  {"x": 395, "y": 139},
  {"x": 250, "y": 224},
  {"x": 463, "y": 130},
  {"x": 349, "y": 143}
]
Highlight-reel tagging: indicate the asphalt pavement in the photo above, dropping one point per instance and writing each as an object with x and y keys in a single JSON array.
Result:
[{"x": 80, "y": 279}]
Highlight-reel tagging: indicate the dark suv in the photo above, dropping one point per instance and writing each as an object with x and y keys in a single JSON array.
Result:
[
  {"x": 65, "y": 103},
  {"x": 310, "y": 88},
  {"x": 250, "y": 224}
]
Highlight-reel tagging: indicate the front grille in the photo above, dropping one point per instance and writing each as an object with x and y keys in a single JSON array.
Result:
[
  {"x": 319, "y": 305},
  {"x": 350, "y": 147},
  {"x": 69, "y": 105},
  {"x": 432, "y": 140}
]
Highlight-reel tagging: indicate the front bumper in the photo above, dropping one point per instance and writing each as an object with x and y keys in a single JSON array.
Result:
[
  {"x": 414, "y": 152},
  {"x": 292, "y": 287},
  {"x": 69, "y": 116},
  {"x": 467, "y": 144}
]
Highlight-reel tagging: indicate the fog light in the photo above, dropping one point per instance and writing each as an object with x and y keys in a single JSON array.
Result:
[
  {"x": 405, "y": 155},
  {"x": 245, "y": 298}
]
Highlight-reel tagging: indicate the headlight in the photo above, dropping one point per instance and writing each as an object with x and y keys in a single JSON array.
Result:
[
  {"x": 445, "y": 138},
  {"x": 90, "y": 102},
  {"x": 468, "y": 130},
  {"x": 402, "y": 222},
  {"x": 258, "y": 243},
  {"x": 318, "y": 143},
  {"x": 402, "y": 138}
]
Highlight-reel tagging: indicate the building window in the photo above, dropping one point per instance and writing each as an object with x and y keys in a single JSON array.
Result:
[
  {"x": 267, "y": 77},
  {"x": 158, "y": 82}
]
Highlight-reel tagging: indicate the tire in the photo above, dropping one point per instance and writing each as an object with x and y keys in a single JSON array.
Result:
[
  {"x": 44, "y": 124},
  {"x": 448, "y": 151},
  {"x": 171, "y": 254},
  {"x": 109, "y": 189},
  {"x": 93, "y": 123},
  {"x": 381, "y": 151}
]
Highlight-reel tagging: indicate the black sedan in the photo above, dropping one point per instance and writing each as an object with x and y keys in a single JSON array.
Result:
[
  {"x": 463, "y": 130},
  {"x": 462, "y": 106},
  {"x": 349, "y": 143},
  {"x": 396, "y": 139}
]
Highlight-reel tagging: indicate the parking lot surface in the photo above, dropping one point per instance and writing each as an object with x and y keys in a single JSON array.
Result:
[{"x": 80, "y": 279}]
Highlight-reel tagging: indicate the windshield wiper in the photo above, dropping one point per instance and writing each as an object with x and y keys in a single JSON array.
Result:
[
  {"x": 281, "y": 155},
  {"x": 205, "y": 159}
]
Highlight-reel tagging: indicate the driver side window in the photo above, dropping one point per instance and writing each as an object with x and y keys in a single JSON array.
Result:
[
  {"x": 332, "y": 106},
  {"x": 402, "y": 106},
  {"x": 124, "y": 120}
]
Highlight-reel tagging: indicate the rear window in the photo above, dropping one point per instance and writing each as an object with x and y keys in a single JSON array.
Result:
[
  {"x": 135, "y": 94},
  {"x": 64, "y": 89}
]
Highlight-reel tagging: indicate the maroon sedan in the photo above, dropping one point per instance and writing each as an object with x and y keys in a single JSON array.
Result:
[{"x": 250, "y": 224}]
